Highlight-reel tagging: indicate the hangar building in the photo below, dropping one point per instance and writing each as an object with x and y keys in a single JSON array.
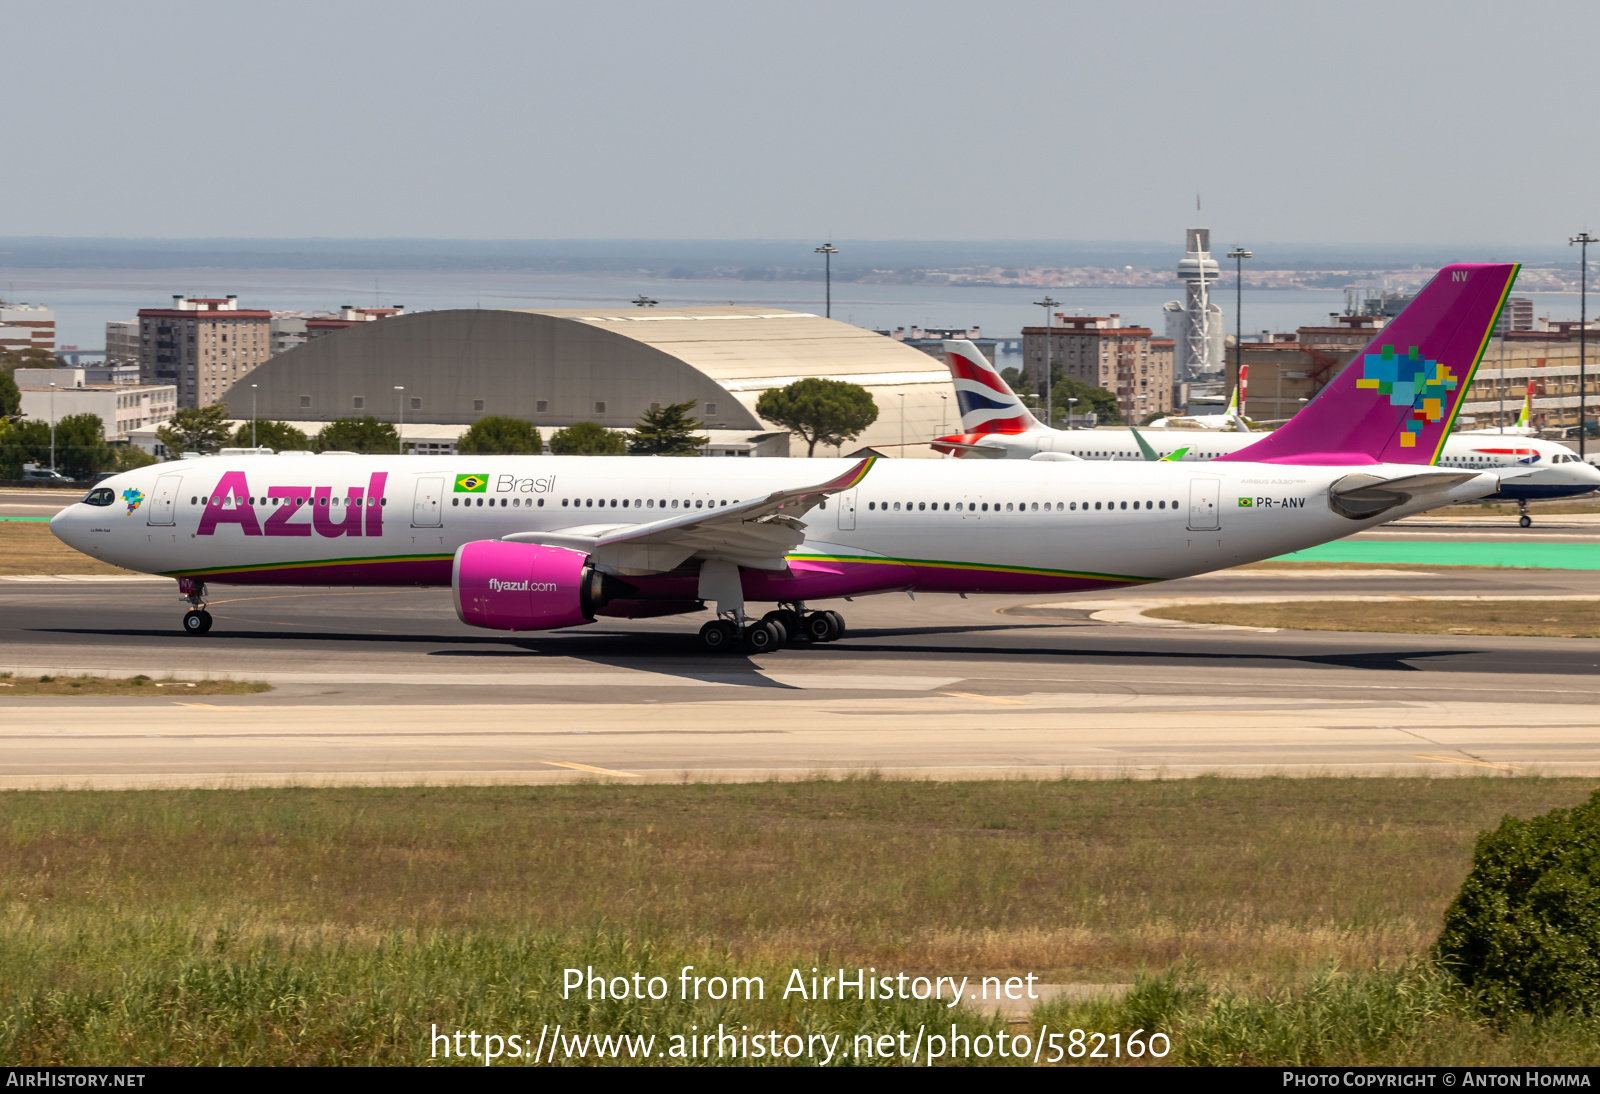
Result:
[{"x": 557, "y": 367}]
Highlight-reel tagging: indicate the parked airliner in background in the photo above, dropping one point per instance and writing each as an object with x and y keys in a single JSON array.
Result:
[
  {"x": 530, "y": 543},
  {"x": 995, "y": 424}
]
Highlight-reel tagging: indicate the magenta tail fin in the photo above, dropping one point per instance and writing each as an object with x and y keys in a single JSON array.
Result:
[{"x": 1396, "y": 400}]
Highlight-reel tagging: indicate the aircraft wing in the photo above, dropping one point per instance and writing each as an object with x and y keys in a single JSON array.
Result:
[{"x": 756, "y": 533}]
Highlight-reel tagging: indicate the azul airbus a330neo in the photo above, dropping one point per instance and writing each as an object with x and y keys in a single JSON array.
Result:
[
  {"x": 995, "y": 424},
  {"x": 530, "y": 543}
]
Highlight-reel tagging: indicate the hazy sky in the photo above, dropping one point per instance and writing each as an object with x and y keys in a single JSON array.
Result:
[{"x": 1356, "y": 121}]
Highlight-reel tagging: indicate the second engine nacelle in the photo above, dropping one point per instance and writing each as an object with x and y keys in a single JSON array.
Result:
[{"x": 526, "y": 587}]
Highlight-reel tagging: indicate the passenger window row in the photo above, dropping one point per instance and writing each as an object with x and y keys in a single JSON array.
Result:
[
  {"x": 513, "y": 502},
  {"x": 645, "y": 503},
  {"x": 1019, "y": 507},
  {"x": 224, "y": 499}
]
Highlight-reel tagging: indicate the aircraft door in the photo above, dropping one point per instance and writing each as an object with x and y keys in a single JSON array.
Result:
[
  {"x": 426, "y": 510},
  {"x": 163, "y": 498},
  {"x": 847, "y": 511},
  {"x": 1205, "y": 512}
]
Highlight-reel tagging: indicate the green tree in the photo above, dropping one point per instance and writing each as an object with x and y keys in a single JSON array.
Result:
[
  {"x": 668, "y": 431},
  {"x": 365, "y": 435},
  {"x": 10, "y": 396},
  {"x": 11, "y": 450},
  {"x": 195, "y": 429},
  {"x": 498, "y": 435},
  {"x": 1090, "y": 398},
  {"x": 828, "y": 412},
  {"x": 278, "y": 436},
  {"x": 1017, "y": 380},
  {"x": 81, "y": 447},
  {"x": 32, "y": 439},
  {"x": 587, "y": 439},
  {"x": 32, "y": 357},
  {"x": 126, "y": 457}
]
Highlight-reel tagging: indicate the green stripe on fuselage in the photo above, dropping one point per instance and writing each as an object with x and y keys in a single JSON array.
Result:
[
  {"x": 265, "y": 567},
  {"x": 980, "y": 567}
]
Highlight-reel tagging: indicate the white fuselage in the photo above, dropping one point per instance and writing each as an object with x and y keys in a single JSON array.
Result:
[{"x": 959, "y": 525}]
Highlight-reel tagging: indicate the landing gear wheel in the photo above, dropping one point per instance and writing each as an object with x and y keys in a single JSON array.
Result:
[
  {"x": 838, "y": 623},
  {"x": 1526, "y": 521},
  {"x": 197, "y": 621},
  {"x": 717, "y": 636},
  {"x": 790, "y": 623},
  {"x": 762, "y": 637},
  {"x": 820, "y": 627}
]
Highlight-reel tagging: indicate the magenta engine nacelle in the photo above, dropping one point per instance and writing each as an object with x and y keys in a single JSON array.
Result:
[{"x": 525, "y": 587}]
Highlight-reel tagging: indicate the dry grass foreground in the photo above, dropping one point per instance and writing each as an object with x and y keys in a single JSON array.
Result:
[
  {"x": 1539, "y": 618},
  {"x": 139, "y": 686},
  {"x": 27, "y": 548},
  {"x": 334, "y": 925}
]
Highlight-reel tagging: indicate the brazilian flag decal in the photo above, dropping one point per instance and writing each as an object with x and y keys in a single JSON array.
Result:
[
  {"x": 471, "y": 484},
  {"x": 1244, "y": 503}
]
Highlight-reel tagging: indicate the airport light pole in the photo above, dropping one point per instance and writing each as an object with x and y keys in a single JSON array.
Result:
[
  {"x": 252, "y": 415},
  {"x": 1238, "y": 254},
  {"x": 1583, "y": 239},
  {"x": 902, "y": 424},
  {"x": 944, "y": 414},
  {"x": 1047, "y": 304},
  {"x": 52, "y": 427},
  {"x": 827, "y": 251},
  {"x": 399, "y": 432}
]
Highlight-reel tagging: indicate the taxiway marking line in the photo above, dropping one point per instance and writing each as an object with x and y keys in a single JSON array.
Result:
[
  {"x": 1475, "y": 763},
  {"x": 209, "y": 706},
  {"x": 985, "y": 698},
  {"x": 595, "y": 770}
]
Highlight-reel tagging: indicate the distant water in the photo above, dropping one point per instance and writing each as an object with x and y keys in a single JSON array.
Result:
[{"x": 84, "y": 300}]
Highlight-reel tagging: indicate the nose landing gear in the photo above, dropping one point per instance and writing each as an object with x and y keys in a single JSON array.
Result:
[
  {"x": 1522, "y": 507},
  {"x": 196, "y": 620}
]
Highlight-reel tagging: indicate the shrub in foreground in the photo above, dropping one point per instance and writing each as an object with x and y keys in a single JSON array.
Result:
[{"x": 1524, "y": 932}]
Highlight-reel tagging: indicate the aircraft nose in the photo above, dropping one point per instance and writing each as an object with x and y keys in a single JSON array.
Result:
[{"x": 64, "y": 525}]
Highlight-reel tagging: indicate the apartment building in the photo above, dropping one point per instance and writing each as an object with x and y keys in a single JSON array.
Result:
[
  {"x": 202, "y": 346},
  {"x": 1101, "y": 351},
  {"x": 26, "y": 326}
]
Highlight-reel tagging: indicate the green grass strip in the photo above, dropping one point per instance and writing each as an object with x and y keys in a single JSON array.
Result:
[
  {"x": 41, "y": 520},
  {"x": 1543, "y": 556}
]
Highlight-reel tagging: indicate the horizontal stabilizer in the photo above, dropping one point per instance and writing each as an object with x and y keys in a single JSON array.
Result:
[{"x": 1360, "y": 496}]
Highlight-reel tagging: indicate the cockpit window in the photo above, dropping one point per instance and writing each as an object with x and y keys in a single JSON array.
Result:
[{"x": 100, "y": 495}]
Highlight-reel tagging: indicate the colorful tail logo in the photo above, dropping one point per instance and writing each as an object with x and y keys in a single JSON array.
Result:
[
  {"x": 988, "y": 405},
  {"x": 1396, "y": 402}
]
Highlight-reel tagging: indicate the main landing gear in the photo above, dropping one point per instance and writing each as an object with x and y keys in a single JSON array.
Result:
[
  {"x": 196, "y": 620},
  {"x": 1522, "y": 507},
  {"x": 773, "y": 631}
]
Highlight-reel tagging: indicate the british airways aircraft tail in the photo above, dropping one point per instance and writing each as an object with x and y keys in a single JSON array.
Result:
[
  {"x": 1396, "y": 401},
  {"x": 987, "y": 402}
]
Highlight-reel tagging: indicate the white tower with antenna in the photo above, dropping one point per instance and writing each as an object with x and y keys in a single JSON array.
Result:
[{"x": 1195, "y": 325}]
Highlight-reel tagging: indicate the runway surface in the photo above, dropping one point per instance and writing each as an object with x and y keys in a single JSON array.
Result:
[{"x": 386, "y": 686}]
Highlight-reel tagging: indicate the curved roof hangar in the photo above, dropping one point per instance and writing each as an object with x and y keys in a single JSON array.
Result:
[{"x": 556, "y": 367}]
